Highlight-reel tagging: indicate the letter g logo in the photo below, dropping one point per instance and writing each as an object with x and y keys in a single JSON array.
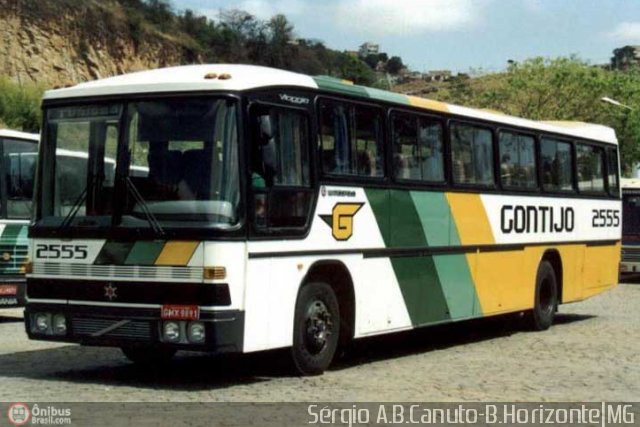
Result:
[{"x": 341, "y": 220}]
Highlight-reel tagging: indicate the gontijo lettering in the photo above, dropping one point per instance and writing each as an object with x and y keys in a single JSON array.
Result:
[{"x": 536, "y": 219}]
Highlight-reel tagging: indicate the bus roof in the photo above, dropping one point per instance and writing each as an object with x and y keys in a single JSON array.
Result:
[
  {"x": 233, "y": 77},
  {"x": 8, "y": 133}
]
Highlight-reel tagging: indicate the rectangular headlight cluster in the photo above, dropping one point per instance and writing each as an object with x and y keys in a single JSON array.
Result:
[
  {"x": 45, "y": 323},
  {"x": 182, "y": 332}
]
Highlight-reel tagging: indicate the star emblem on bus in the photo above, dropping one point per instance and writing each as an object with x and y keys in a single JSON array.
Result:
[{"x": 110, "y": 292}]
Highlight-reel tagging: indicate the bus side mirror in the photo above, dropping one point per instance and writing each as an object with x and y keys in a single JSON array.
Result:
[
  {"x": 270, "y": 156},
  {"x": 266, "y": 129}
]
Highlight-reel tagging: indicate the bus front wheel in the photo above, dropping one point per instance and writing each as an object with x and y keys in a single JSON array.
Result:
[
  {"x": 316, "y": 328},
  {"x": 546, "y": 298}
]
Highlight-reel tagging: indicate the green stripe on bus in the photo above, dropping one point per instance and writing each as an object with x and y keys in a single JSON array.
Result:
[
  {"x": 384, "y": 95},
  {"x": 23, "y": 236},
  {"x": 453, "y": 270},
  {"x": 145, "y": 252},
  {"x": 335, "y": 85},
  {"x": 421, "y": 289},
  {"x": 435, "y": 217},
  {"x": 10, "y": 233},
  {"x": 417, "y": 276},
  {"x": 379, "y": 201},
  {"x": 113, "y": 253},
  {"x": 406, "y": 228}
]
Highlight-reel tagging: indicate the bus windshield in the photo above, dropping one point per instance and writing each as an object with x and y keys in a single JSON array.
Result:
[
  {"x": 153, "y": 163},
  {"x": 19, "y": 171},
  {"x": 630, "y": 214}
]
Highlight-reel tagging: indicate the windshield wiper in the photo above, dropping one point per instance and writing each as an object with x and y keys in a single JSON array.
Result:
[
  {"x": 66, "y": 222},
  {"x": 153, "y": 222}
]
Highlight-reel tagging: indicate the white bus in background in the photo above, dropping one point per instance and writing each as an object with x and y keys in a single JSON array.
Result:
[
  {"x": 630, "y": 262},
  {"x": 18, "y": 151}
]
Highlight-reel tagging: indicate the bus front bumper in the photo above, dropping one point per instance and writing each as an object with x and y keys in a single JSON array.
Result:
[
  {"x": 134, "y": 327},
  {"x": 627, "y": 267},
  {"x": 12, "y": 291}
]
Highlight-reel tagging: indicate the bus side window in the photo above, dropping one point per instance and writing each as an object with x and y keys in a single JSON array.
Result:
[
  {"x": 417, "y": 148},
  {"x": 557, "y": 165},
  {"x": 517, "y": 161},
  {"x": 472, "y": 155},
  {"x": 590, "y": 161},
  {"x": 612, "y": 172},
  {"x": 280, "y": 175},
  {"x": 351, "y": 138}
]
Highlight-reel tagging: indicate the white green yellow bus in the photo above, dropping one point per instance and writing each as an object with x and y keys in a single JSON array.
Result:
[
  {"x": 254, "y": 209},
  {"x": 18, "y": 151},
  {"x": 630, "y": 262}
]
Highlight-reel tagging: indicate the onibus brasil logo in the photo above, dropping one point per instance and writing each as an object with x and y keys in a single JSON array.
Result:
[
  {"x": 19, "y": 414},
  {"x": 341, "y": 220}
]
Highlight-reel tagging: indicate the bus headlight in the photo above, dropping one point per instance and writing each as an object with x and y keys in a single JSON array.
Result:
[
  {"x": 41, "y": 322},
  {"x": 171, "y": 331},
  {"x": 196, "y": 332},
  {"x": 59, "y": 324}
]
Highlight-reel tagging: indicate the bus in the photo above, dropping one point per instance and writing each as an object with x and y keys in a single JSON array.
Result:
[
  {"x": 630, "y": 262},
  {"x": 17, "y": 170},
  {"x": 254, "y": 209}
]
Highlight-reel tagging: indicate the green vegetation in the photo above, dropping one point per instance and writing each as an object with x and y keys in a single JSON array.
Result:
[
  {"x": 239, "y": 37},
  {"x": 559, "y": 89},
  {"x": 538, "y": 89},
  {"x": 20, "y": 105}
]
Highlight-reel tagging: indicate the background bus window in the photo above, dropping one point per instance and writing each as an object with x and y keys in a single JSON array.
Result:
[
  {"x": 631, "y": 214},
  {"x": 612, "y": 171},
  {"x": 590, "y": 161},
  {"x": 417, "y": 152},
  {"x": 19, "y": 169},
  {"x": 352, "y": 140},
  {"x": 517, "y": 161},
  {"x": 280, "y": 173},
  {"x": 557, "y": 165},
  {"x": 471, "y": 155}
]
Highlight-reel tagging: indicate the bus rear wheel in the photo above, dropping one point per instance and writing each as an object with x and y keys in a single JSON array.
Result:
[
  {"x": 546, "y": 298},
  {"x": 316, "y": 328}
]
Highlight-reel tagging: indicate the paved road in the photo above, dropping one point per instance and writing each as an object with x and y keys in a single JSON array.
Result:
[{"x": 591, "y": 354}]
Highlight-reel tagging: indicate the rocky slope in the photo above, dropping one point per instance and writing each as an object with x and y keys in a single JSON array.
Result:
[{"x": 56, "y": 42}]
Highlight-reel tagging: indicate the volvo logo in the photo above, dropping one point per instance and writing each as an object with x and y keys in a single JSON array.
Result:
[{"x": 110, "y": 292}]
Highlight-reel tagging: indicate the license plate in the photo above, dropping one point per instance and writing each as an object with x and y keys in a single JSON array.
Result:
[
  {"x": 180, "y": 312},
  {"x": 8, "y": 289}
]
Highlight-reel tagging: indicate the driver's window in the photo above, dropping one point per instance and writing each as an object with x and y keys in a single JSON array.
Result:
[{"x": 280, "y": 175}]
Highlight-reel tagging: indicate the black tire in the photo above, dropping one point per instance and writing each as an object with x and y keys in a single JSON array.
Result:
[
  {"x": 149, "y": 355},
  {"x": 546, "y": 299},
  {"x": 316, "y": 328}
]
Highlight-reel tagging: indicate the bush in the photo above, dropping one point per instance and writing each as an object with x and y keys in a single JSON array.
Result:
[{"x": 20, "y": 105}]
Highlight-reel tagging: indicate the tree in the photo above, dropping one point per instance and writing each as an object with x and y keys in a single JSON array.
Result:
[
  {"x": 561, "y": 89},
  {"x": 372, "y": 60},
  {"x": 394, "y": 65}
]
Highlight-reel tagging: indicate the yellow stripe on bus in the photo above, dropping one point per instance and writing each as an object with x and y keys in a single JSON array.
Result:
[
  {"x": 471, "y": 219},
  {"x": 473, "y": 227},
  {"x": 177, "y": 253},
  {"x": 429, "y": 104}
]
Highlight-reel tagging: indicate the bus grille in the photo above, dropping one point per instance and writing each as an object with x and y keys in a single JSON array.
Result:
[
  {"x": 133, "y": 330},
  {"x": 18, "y": 256},
  {"x": 165, "y": 273},
  {"x": 631, "y": 253}
]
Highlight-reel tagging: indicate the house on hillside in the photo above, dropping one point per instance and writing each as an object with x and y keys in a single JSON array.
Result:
[
  {"x": 438, "y": 75},
  {"x": 368, "y": 48}
]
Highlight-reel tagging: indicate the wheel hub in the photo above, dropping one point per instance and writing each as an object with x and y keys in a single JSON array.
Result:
[{"x": 319, "y": 327}]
